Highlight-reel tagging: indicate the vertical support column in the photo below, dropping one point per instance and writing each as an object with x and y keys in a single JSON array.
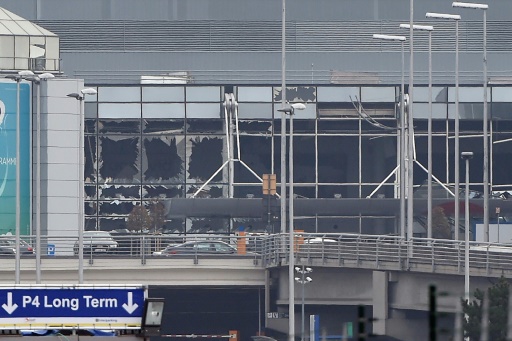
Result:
[{"x": 380, "y": 301}]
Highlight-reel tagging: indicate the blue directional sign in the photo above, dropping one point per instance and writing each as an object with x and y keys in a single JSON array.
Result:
[{"x": 71, "y": 307}]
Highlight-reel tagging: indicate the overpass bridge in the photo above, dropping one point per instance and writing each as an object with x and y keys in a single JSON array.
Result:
[{"x": 387, "y": 273}]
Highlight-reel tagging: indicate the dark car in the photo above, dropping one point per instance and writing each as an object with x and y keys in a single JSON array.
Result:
[
  {"x": 200, "y": 247},
  {"x": 8, "y": 247},
  {"x": 97, "y": 242}
]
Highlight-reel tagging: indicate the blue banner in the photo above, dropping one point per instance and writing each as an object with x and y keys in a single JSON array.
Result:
[
  {"x": 8, "y": 161},
  {"x": 71, "y": 302}
]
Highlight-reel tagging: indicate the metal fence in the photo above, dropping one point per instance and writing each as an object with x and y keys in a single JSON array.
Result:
[{"x": 271, "y": 250}]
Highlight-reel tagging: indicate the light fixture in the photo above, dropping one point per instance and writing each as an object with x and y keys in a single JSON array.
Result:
[
  {"x": 388, "y": 37},
  {"x": 303, "y": 280},
  {"x": 442, "y": 16},
  {"x": 469, "y": 5},
  {"x": 152, "y": 316}
]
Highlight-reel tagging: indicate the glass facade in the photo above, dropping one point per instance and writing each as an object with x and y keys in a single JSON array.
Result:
[{"x": 152, "y": 142}]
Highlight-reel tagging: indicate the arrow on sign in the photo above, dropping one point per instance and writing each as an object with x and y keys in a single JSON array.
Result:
[
  {"x": 9, "y": 307},
  {"x": 130, "y": 307}
]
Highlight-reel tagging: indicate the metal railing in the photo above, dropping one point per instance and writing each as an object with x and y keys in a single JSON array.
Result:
[
  {"x": 339, "y": 250},
  {"x": 296, "y": 77},
  {"x": 388, "y": 252}
]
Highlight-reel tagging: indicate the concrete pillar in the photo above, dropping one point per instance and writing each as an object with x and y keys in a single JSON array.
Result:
[{"x": 380, "y": 301}]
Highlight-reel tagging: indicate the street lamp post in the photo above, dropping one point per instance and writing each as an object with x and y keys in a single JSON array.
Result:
[
  {"x": 303, "y": 279},
  {"x": 456, "y": 18},
  {"x": 429, "y": 29},
  {"x": 80, "y": 97},
  {"x": 37, "y": 81},
  {"x": 466, "y": 156},
  {"x": 283, "y": 117},
  {"x": 290, "y": 110},
  {"x": 483, "y": 7},
  {"x": 402, "y": 148},
  {"x": 18, "y": 78}
]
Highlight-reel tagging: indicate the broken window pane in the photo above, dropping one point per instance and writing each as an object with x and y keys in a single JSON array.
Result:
[
  {"x": 163, "y": 159},
  {"x": 90, "y": 126},
  {"x": 255, "y": 153},
  {"x": 111, "y": 223},
  {"x": 90, "y": 158},
  {"x": 90, "y": 224},
  {"x": 119, "y": 126},
  {"x": 304, "y": 159},
  {"x": 120, "y": 158},
  {"x": 205, "y": 158},
  {"x": 335, "y": 153},
  {"x": 116, "y": 207},
  {"x": 262, "y": 127},
  {"x": 206, "y": 126},
  {"x": 120, "y": 192},
  {"x": 90, "y": 208},
  {"x": 175, "y": 225},
  {"x": 164, "y": 127},
  {"x": 90, "y": 191},
  {"x": 162, "y": 191},
  {"x": 379, "y": 158},
  {"x": 209, "y": 191},
  {"x": 296, "y": 94}
]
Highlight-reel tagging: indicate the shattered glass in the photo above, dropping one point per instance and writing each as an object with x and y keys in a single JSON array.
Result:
[{"x": 120, "y": 158}]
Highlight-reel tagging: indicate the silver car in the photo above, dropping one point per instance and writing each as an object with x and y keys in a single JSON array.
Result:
[
  {"x": 97, "y": 242},
  {"x": 200, "y": 247}
]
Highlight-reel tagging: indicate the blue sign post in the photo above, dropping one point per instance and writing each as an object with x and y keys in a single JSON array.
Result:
[
  {"x": 71, "y": 307},
  {"x": 51, "y": 249}
]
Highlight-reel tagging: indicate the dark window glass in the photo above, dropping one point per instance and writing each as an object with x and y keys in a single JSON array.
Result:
[
  {"x": 164, "y": 126},
  {"x": 204, "y": 126},
  {"x": 119, "y": 126},
  {"x": 255, "y": 153},
  {"x": 206, "y": 157},
  {"x": 155, "y": 191},
  {"x": 90, "y": 158},
  {"x": 163, "y": 160},
  {"x": 119, "y": 158}
]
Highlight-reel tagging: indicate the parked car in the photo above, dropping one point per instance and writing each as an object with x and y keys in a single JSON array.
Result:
[
  {"x": 97, "y": 242},
  {"x": 201, "y": 247},
  {"x": 8, "y": 247}
]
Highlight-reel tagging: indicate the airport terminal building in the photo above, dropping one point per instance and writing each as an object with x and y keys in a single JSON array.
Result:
[{"x": 188, "y": 94}]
